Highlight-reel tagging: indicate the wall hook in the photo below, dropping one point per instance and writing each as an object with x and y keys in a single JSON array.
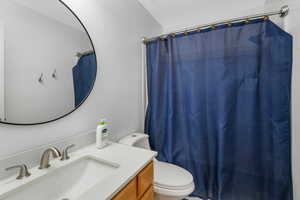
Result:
[
  {"x": 41, "y": 78},
  {"x": 54, "y": 75}
]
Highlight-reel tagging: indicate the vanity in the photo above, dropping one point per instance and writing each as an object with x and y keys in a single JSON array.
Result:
[
  {"x": 140, "y": 188},
  {"x": 117, "y": 172}
]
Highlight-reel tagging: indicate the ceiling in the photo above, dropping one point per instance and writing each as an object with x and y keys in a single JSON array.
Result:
[{"x": 174, "y": 14}]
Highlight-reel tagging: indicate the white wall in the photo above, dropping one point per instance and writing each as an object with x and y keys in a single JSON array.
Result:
[
  {"x": 116, "y": 27},
  {"x": 36, "y": 44},
  {"x": 51, "y": 9}
]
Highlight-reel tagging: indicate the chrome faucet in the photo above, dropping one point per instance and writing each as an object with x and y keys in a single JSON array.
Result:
[
  {"x": 45, "y": 160},
  {"x": 23, "y": 171}
]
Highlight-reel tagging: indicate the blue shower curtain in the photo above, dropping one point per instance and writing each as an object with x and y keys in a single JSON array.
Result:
[
  {"x": 84, "y": 74},
  {"x": 219, "y": 106}
]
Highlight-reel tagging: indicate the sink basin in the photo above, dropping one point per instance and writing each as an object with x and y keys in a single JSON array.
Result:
[{"x": 67, "y": 182}]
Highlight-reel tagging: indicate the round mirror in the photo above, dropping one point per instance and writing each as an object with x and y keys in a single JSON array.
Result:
[{"x": 47, "y": 61}]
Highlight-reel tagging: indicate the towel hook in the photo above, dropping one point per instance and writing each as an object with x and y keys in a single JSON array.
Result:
[
  {"x": 54, "y": 74},
  {"x": 41, "y": 78}
]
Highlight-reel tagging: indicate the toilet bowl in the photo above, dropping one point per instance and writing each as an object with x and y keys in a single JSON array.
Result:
[{"x": 171, "y": 182}]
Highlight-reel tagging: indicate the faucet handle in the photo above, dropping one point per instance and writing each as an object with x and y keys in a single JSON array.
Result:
[
  {"x": 65, "y": 153},
  {"x": 23, "y": 171}
]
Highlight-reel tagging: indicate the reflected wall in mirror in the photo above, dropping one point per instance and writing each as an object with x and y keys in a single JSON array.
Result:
[{"x": 47, "y": 61}]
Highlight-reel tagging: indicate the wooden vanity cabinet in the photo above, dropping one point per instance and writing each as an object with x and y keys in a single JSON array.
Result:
[
  {"x": 128, "y": 192},
  {"x": 149, "y": 195},
  {"x": 140, "y": 188}
]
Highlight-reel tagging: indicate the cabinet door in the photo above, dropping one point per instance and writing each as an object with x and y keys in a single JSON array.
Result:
[
  {"x": 129, "y": 192},
  {"x": 145, "y": 180},
  {"x": 149, "y": 195}
]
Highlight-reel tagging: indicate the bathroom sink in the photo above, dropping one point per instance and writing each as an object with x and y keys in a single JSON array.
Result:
[{"x": 67, "y": 182}]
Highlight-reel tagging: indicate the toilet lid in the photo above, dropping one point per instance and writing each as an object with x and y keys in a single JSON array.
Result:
[{"x": 170, "y": 176}]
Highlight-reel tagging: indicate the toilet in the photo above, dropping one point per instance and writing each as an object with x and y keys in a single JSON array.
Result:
[{"x": 171, "y": 182}]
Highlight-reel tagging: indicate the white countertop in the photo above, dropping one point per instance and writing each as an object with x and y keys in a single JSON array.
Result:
[{"x": 131, "y": 160}]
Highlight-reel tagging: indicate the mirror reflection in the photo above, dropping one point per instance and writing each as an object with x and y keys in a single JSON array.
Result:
[{"x": 47, "y": 61}]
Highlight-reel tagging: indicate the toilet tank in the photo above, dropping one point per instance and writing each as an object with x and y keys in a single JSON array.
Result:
[{"x": 139, "y": 140}]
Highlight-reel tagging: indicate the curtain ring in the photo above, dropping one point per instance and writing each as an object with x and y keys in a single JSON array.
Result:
[
  {"x": 173, "y": 35},
  {"x": 162, "y": 38},
  {"x": 213, "y": 27},
  {"x": 229, "y": 24},
  {"x": 185, "y": 33},
  {"x": 266, "y": 18},
  {"x": 199, "y": 30},
  {"x": 247, "y": 21}
]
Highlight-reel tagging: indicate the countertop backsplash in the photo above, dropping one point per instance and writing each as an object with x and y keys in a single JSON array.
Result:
[{"x": 32, "y": 157}]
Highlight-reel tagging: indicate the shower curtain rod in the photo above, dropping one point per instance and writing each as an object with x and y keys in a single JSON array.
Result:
[{"x": 282, "y": 13}]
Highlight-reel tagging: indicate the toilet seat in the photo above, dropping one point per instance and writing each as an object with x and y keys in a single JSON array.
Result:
[
  {"x": 179, "y": 194},
  {"x": 171, "y": 177}
]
